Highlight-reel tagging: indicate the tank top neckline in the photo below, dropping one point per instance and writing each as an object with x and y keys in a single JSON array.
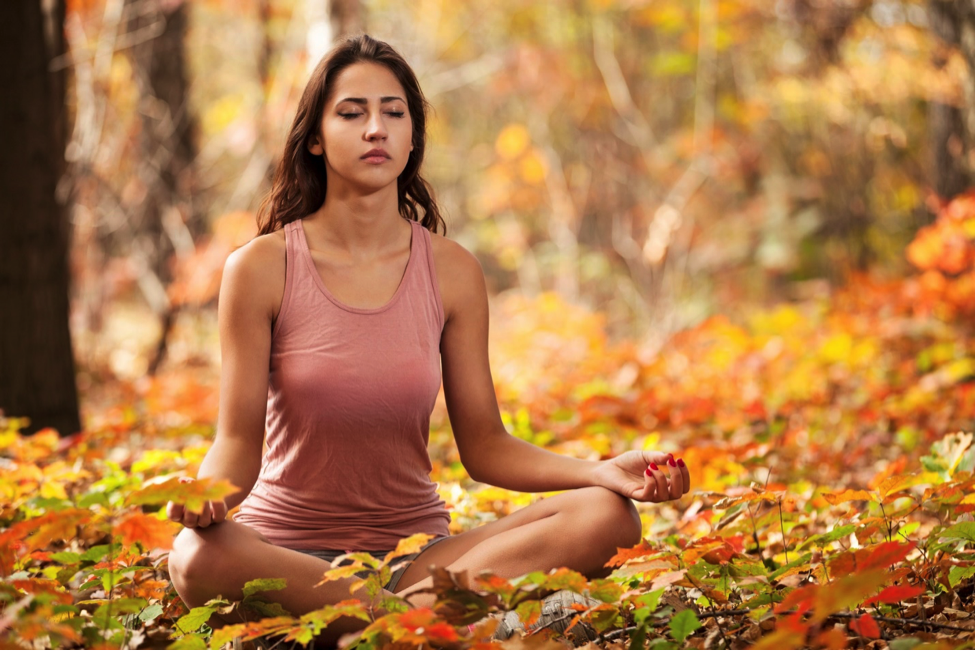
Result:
[{"x": 305, "y": 252}]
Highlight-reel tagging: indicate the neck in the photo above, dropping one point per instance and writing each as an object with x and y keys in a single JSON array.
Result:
[{"x": 359, "y": 222}]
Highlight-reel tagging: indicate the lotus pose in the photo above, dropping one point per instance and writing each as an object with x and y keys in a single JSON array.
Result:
[{"x": 337, "y": 324}]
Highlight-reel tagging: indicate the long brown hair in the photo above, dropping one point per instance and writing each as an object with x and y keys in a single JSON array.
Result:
[{"x": 299, "y": 182}]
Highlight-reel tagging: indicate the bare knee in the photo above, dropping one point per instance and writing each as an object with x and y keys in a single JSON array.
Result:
[
  {"x": 196, "y": 557},
  {"x": 613, "y": 516}
]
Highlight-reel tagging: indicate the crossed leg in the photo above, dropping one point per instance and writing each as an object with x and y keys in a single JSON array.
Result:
[{"x": 580, "y": 529}]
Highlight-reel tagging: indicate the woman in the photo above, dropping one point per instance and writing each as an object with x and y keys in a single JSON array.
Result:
[{"x": 334, "y": 324}]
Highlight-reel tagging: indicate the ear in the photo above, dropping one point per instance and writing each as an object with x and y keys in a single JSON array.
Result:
[{"x": 315, "y": 146}]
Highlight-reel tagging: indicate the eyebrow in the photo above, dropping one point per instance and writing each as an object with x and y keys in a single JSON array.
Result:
[{"x": 363, "y": 101}]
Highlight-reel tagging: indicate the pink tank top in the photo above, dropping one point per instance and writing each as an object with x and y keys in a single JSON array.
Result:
[{"x": 348, "y": 412}]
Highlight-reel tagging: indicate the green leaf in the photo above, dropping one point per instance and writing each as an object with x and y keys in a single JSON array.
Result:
[
  {"x": 651, "y": 599},
  {"x": 90, "y": 499},
  {"x": 66, "y": 558},
  {"x": 193, "y": 620},
  {"x": 902, "y": 643},
  {"x": 605, "y": 590},
  {"x": 267, "y": 608},
  {"x": 962, "y": 530},
  {"x": 263, "y": 585},
  {"x": 150, "y": 613},
  {"x": 96, "y": 554},
  {"x": 957, "y": 574},
  {"x": 191, "y": 641},
  {"x": 683, "y": 624}
]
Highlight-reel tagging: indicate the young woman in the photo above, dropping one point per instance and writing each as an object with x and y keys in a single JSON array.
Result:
[{"x": 335, "y": 323}]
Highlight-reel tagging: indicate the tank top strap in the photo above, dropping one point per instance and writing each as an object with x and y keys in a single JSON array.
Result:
[{"x": 427, "y": 270}]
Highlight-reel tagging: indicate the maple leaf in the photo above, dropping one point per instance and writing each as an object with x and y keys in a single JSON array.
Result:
[
  {"x": 193, "y": 494},
  {"x": 624, "y": 554},
  {"x": 147, "y": 530}
]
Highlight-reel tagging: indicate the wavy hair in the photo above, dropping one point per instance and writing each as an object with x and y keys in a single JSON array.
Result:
[{"x": 299, "y": 184}]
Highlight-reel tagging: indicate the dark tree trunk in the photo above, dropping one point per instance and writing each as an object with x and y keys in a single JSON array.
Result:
[
  {"x": 37, "y": 371},
  {"x": 169, "y": 217},
  {"x": 950, "y": 136}
]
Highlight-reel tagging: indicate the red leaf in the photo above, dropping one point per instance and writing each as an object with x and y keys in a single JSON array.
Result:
[
  {"x": 865, "y": 626},
  {"x": 885, "y": 555},
  {"x": 895, "y": 594}
]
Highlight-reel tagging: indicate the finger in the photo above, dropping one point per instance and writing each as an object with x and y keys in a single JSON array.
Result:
[
  {"x": 685, "y": 474},
  {"x": 219, "y": 511},
  {"x": 662, "y": 493},
  {"x": 204, "y": 518},
  {"x": 190, "y": 519},
  {"x": 646, "y": 492},
  {"x": 676, "y": 480},
  {"x": 174, "y": 512}
]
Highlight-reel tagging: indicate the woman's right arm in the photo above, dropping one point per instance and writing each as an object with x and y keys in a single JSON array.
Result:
[{"x": 250, "y": 291}]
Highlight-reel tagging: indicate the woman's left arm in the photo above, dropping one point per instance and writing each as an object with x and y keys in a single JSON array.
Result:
[{"x": 489, "y": 453}]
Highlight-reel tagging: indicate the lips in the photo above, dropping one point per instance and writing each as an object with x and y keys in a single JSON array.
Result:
[{"x": 375, "y": 153}]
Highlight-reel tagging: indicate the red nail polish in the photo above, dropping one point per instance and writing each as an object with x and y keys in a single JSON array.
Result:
[
  {"x": 670, "y": 456},
  {"x": 671, "y": 462},
  {"x": 654, "y": 466},
  {"x": 647, "y": 472},
  {"x": 680, "y": 462}
]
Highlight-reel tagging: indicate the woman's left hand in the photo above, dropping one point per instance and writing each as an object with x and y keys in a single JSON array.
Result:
[{"x": 645, "y": 476}]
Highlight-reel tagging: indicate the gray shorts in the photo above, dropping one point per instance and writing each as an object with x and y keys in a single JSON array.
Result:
[{"x": 330, "y": 555}]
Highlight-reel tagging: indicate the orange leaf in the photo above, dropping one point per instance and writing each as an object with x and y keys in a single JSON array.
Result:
[
  {"x": 849, "y": 496},
  {"x": 781, "y": 639},
  {"x": 624, "y": 554},
  {"x": 865, "y": 626},
  {"x": 149, "y": 531},
  {"x": 896, "y": 594}
]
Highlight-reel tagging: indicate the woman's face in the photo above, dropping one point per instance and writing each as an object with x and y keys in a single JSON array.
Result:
[{"x": 366, "y": 111}]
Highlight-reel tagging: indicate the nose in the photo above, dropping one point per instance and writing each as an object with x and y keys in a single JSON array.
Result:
[{"x": 376, "y": 127}]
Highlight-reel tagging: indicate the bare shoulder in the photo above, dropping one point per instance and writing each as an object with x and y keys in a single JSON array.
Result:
[
  {"x": 459, "y": 274},
  {"x": 257, "y": 271}
]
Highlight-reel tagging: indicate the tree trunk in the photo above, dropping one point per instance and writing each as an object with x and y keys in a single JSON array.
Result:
[
  {"x": 950, "y": 138},
  {"x": 170, "y": 222},
  {"x": 37, "y": 371}
]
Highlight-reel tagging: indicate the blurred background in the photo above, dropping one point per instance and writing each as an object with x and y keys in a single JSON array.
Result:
[{"x": 631, "y": 166}]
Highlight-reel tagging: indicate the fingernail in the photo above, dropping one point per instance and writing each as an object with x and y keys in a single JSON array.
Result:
[
  {"x": 680, "y": 462},
  {"x": 654, "y": 466},
  {"x": 670, "y": 456},
  {"x": 671, "y": 462},
  {"x": 647, "y": 472}
]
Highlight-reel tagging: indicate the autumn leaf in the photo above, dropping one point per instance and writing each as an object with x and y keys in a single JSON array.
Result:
[
  {"x": 407, "y": 546},
  {"x": 895, "y": 594},
  {"x": 192, "y": 494},
  {"x": 849, "y": 496},
  {"x": 624, "y": 554},
  {"x": 149, "y": 531},
  {"x": 865, "y": 626}
]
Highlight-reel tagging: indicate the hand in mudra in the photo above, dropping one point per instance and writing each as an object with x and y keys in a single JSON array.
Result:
[
  {"x": 645, "y": 476},
  {"x": 214, "y": 511}
]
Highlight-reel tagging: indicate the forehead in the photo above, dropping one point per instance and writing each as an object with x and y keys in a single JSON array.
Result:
[{"x": 368, "y": 80}]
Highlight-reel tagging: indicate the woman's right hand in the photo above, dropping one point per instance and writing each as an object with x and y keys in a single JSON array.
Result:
[{"x": 214, "y": 511}]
